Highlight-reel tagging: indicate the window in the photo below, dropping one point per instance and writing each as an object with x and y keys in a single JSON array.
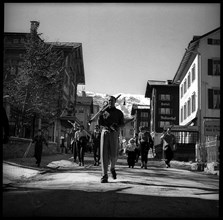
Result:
[
  {"x": 213, "y": 41},
  {"x": 165, "y": 111},
  {"x": 22, "y": 40},
  {"x": 214, "y": 98},
  {"x": 13, "y": 70},
  {"x": 185, "y": 86},
  {"x": 188, "y": 80},
  {"x": 164, "y": 123},
  {"x": 181, "y": 91},
  {"x": 165, "y": 97},
  {"x": 144, "y": 123},
  {"x": 81, "y": 110},
  {"x": 193, "y": 73},
  {"x": 185, "y": 111},
  {"x": 181, "y": 114},
  {"x": 144, "y": 114},
  {"x": 188, "y": 107},
  {"x": 193, "y": 103},
  {"x": 15, "y": 41},
  {"x": 214, "y": 67}
]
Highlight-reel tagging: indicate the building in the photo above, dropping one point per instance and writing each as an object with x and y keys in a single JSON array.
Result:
[
  {"x": 127, "y": 131},
  {"x": 198, "y": 76},
  {"x": 13, "y": 48},
  {"x": 164, "y": 108},
  {"x": 84, "y": 109},
  {"x": 92, "y": 124},
  {"x": 141, "y": 115},
  {"x": 164, "y": 105},
  {"x": 73, "y": 72}
]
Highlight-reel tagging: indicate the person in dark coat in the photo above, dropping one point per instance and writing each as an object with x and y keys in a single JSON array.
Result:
[
  {"x": 137, "y": 150},
  {"x": 81, "y": 139},
  {"x": 62, "y": 145},
  {"x": 111, "y": 120},
  {"x": 146, "y": 142},
  {"x": 39, "y": 140},
  {"x": 168, "y": 140},
  {"x": 73, "y": 142},
  {"x": 96, "y": 138}
]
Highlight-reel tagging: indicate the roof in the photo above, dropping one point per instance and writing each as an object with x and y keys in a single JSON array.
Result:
[
  {"x": 189, "y": 55},
  {"x": 139, "y": 106},
  {"x": 16, "y": 33},
  {"x": 60, "y": 44},
  {"x": 156, "y": 83},
  {"x": 65, "y": 44},
  {"x": 84, "y": 100}
]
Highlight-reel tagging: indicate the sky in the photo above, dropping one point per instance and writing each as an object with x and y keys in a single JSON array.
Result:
[{"x": 124, "y": 44}]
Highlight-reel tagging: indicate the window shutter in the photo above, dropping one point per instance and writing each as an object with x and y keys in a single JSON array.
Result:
[
  {"x": 210, "y": 67},
  {"x": 210, "y": 98}
]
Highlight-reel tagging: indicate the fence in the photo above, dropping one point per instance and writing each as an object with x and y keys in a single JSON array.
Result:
[
  {"x": 208, "y": 151},
  {"x": 212, "y": 148}
]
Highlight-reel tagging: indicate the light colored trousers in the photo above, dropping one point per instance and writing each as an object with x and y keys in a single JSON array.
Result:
[{"x": 109, "y": 149}]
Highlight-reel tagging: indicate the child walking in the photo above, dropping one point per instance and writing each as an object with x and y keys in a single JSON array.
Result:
[{"x": 131, "y": 153}]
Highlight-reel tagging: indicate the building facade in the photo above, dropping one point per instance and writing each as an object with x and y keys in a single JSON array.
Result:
[
  {"x": 84, "y": 109},
  {"x": 164, "y": 106},
  {"x": 141, "y": 115},
  {"x": 73, "y": 72},
  {"x": 198, "y": 76},
  {"x": 127, "y": 131},
  {"x": 164, "y": 99}
]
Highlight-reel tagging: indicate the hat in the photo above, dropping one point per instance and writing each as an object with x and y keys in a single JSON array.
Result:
[{"x": 111, "y": 98}]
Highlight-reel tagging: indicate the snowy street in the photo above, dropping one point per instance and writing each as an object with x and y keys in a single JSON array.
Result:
[{"x": 66, "y": 189}]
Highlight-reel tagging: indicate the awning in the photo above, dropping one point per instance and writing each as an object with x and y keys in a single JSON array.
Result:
[{"x": 185, "y": 134}]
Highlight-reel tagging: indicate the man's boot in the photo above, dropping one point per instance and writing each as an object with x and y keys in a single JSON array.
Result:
[{"x": 104, "y": 179}]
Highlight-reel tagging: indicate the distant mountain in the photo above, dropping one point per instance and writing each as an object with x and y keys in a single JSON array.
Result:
[{"x": 124, "y": 102}]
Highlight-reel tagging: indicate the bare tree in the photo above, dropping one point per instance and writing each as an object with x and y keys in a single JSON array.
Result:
[{"x": 35, "y": 90}]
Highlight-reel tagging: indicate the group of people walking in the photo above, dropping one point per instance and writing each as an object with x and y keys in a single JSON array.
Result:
[
  {"x": 105, "y": 141},
  {"x": 143, "y": 142},
  {"x": 140, "y": 145}
]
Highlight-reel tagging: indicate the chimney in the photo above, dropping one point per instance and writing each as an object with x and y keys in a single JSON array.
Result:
[{"x": 34, "y": 26}]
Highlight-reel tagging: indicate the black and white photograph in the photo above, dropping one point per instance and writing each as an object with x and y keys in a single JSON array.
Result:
[{"x": 111, "y": 109}]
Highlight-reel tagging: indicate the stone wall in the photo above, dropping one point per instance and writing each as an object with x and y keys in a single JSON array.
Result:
[{"x": 16, "y": 148}]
